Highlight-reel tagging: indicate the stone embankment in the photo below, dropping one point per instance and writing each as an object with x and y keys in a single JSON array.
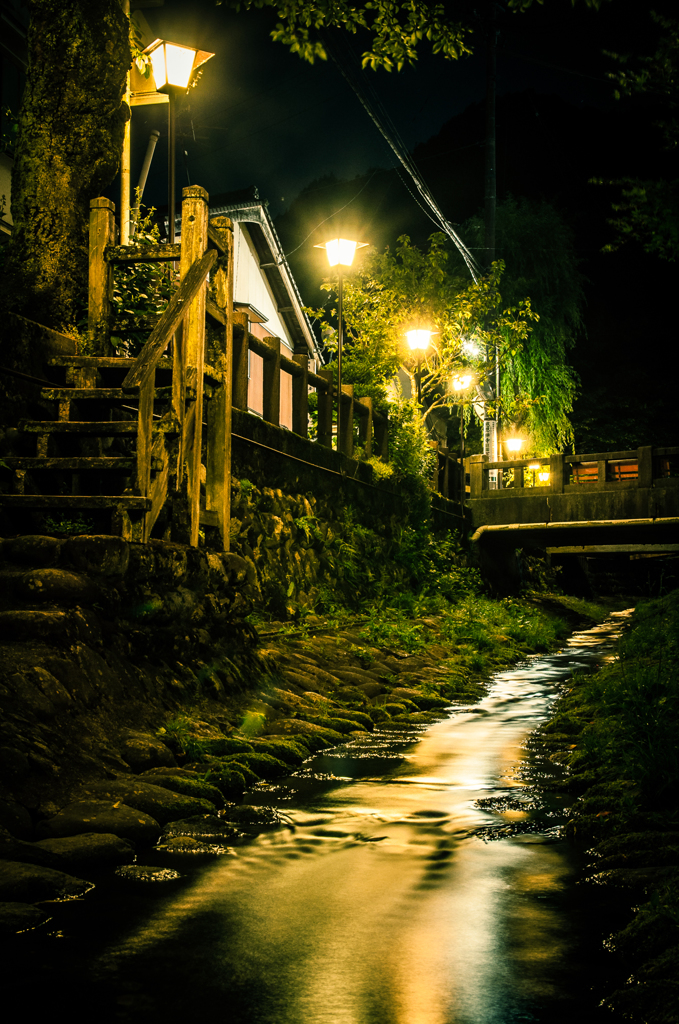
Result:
[{"x": 136, "y": 707}]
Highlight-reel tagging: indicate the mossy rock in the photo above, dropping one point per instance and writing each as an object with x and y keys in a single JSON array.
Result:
[
  {"x": 397, "y": 709},
  {"x": 340, "y": 725},
  {"x": 265, "y": 766},
  {"x": 358, "y": 717},
  {"x": 229, "y": 779},
  {"x": 188, "y": 787},
  {"x": 378, "y": 715},
  {"x": 291, "y": 752},
  {"x": 311, "y": 734},
  {"x": 221, "y": 746},
  {"x": 232, "y": 763}
]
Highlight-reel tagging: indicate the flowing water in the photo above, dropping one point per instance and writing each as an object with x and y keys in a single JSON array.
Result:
[{"x": 415, "y": 882}]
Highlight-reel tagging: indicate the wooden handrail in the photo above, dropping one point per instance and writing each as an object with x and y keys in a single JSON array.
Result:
[
  {"x": 147, "y": 359},
  {"x": 161, "y": 253}
]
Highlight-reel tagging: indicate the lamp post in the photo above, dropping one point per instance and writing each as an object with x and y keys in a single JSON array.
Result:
[
  {"x": 419, "y": 339},
  {"x": 173, "y": 66},
  {"x": 340, "y": 253},
  {"x": 460, "y": 382}
]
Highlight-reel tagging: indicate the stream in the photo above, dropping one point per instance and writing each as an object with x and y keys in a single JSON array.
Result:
[{"x": 415, "y": 881}]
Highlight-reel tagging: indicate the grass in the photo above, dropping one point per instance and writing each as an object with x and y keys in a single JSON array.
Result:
[{"x": 623, "y": 723}]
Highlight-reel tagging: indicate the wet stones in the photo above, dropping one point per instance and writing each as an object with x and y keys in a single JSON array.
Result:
[
  {"x": 16, "y": 918},
  {"x": 160, "y": 804},
  {"x": 143, "y": 751},
  {"x": 31, "y": 883},
  {"x": 112, "y": 817},
  {"x": 90, "y": 851}
]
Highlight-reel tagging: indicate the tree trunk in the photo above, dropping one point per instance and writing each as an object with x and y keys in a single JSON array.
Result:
[{"x": 71, "y": 128}]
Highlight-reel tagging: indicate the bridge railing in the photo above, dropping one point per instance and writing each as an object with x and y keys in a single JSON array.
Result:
[{"x": 559, "y": 474}]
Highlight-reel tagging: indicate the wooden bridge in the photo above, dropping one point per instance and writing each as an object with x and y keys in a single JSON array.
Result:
[
  {"x": 600, "y": 504},
  {"x": 143, "y": 445}
]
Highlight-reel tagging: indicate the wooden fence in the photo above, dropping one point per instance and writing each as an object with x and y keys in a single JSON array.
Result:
[
  {"x": 176, "y": 422},
  {"x": 563, "y": 474}
]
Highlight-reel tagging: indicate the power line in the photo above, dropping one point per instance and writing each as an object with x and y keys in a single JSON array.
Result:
[{"x": 382, "y": 121}]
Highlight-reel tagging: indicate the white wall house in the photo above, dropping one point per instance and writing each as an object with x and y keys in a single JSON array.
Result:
[{"x": 264, "y": 286}]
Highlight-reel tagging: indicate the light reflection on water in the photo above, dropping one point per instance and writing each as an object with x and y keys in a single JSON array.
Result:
[{"x": 380, "y": 904}]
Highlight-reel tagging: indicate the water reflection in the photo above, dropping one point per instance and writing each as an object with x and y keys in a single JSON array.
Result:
[{"x": 385, "y": 900}]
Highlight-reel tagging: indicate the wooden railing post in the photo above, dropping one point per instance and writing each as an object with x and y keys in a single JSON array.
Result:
[
  {"x": 365, "y": 426},
  {"x": 346, "y": 441},
  {"x": 556, "y": 473},
  {"x": 645, "y": 464},
  {"x": 271, "y": 374},
  {"x": 300, "y": 398},
  {"x": 445, "y": 486},
  {"x": 100, "y": 284},
  {"x": 240, "y": 360},
  {"x": 519, "y": 473},
  {"x": 479, "y": 479},
  {"x": 194, "y": 244},
  {"x": 218, "y": 478},
  {"x": 382, "y": 436},
  {"x": 325, "y": 403}
]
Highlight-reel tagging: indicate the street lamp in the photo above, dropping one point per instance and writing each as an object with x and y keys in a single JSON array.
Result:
[
  {"x": 419, "y": 339},
  {"x": 340, "y": 253},
  {"x": 173, "y": 66},
  {"x": 514, "y": 444},
  {"x": 460, "y": 382}
]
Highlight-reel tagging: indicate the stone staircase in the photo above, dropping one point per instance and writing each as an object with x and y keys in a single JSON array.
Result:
[{"x": 85, "y": 455}]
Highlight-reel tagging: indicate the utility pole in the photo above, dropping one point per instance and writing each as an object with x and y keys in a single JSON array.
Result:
[{"x": 490, "y": 431}]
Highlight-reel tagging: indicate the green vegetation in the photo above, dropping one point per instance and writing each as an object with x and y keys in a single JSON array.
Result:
[
  {"x": 61, "y": 524},
  {"x": 617, "y": 732}
]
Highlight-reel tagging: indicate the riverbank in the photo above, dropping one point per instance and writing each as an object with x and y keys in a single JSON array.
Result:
[
  {"x": 89, "y": 785},
  {"x": 616, "y": 733}
]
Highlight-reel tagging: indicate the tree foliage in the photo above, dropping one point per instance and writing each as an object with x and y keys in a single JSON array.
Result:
[
  {"x": 67, "y": 151},
  {"x": 408, "y": 287},
  {"x": 396, "y": 27},
  {"x": 647, "y": 210},
  {"x": 538, "y": 385}
]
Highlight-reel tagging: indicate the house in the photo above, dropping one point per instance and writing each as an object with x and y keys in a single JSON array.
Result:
[{"x": 265, "y": 288}]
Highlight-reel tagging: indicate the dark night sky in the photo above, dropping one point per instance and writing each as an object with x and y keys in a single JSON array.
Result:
[{"x": 262, "y": 116}]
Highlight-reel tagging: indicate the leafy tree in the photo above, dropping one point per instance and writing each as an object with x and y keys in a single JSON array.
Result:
[
  {"x": 647, "y": 210},
  {"x": 392, "y": 292},
  {"x": 538, "y": 385},
  {"x": 68, "y": 149},
  {"x": 396, "y": 27}
]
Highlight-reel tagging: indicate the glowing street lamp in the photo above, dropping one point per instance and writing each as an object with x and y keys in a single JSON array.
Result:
[
  {"x": 514, "y": 444},
  {"x": 460, "y": 382},
  {"x": 340, "y": 253},
  {"x": 174, "y": 67},
  {"x": 419, "y": 339}
]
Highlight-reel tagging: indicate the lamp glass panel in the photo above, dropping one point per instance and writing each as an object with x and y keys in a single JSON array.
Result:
[
  {"x": 340, "y": 250},
  {"x": 418, "y": 339},
  {"x": 514, "y": 444},
  {"x": 543, "y": 477},
  {"x": 159, "y": 67},
  {"x": 179, "y": 61},
  {"x": 461, "y": 382}
]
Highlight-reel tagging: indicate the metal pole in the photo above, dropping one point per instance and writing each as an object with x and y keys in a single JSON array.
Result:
[
  {"x": 419, "y": 377},
  {"x": 126, "y": 159},
  {"x": 171, "y": 188},
  {"x": 153, "y": 139},
  {"x": 339, "y": 360},
  {"x": 463, "y": 475}
]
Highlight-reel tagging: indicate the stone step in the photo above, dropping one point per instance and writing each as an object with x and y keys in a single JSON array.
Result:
[
  {"x": 107, "y": 394},
  {"x": 99, "y": 462},
  {"x": 91, "y": 394},
  {"x": 105, "y": 362},
  {"x": 103, "y": 427},
  {"x": 129, "y": 502}
]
